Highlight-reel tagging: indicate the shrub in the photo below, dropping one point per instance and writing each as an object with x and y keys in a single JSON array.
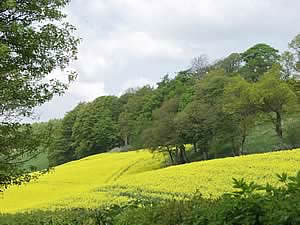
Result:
[{"x": 292, "y": 135}]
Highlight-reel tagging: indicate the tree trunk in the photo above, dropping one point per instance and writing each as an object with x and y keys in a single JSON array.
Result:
[
  {"x": 235, "y": 148},
  {"x": 177, "y": 155},
  {"x": 278, "y": 126},
  {"x": 170, "y": 155},
  {"x": 126, "y": 140},
  {"x": 195, "y": 147},
  {"x": 183, "y": 153},
  {"x": 243, "y": 144},
  {"x": 206, "y": 154}
]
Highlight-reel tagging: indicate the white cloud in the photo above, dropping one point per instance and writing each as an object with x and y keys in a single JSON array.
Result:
[
  {"x": 86, "y": 91},
  {"x": 129, "y": 43}
]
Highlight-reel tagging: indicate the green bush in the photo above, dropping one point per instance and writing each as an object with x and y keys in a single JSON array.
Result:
[{"x": 292, "y": 135}]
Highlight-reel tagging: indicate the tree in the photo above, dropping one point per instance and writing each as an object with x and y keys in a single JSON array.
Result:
[
  {"x": 241, "y": 106},
  {"x": 231, "y": 64},
  {"x": 95, "y": 129},
  {"x": 275, "y": 97},
  {"x": 163, "y": 135},
  {"x": 288, "y": 65},
  {"x": 200, "y": 65},
  {"x": 61, "y": 149},
  {"x": 197, "y": 125},
  {"x": 294, "y": 45},
  {"x": 137, "y": 114},
  {"x": 258, "y": 60},
  {"x": 34, "y": 41}
]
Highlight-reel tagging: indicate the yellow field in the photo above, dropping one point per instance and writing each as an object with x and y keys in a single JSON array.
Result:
[{"x": 115, "y": 177}]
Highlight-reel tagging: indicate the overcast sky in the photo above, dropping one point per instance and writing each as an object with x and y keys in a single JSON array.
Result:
[{"x": 130, "y": 43}]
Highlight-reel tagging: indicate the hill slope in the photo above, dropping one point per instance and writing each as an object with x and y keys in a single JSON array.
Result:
[{"x": 115, "y": 177}]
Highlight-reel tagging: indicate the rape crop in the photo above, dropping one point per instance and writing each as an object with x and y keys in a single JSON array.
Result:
[
  {"x": 115, "y": 177},
  {"x": 73, "y": 184}
]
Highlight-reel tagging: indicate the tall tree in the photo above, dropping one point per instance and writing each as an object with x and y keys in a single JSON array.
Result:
[
  {"x": 294, "y": 45},
  {"x": 275, "y": 98},
  {"x": 258, "y": 60},
  {"x": 288, "y": 65},
  {"x": 95, "y": 129},
  {"x": 241, "y": 106},
  {"x": 231, "y": 64},
  {"x": 197, "y": 125},
  {"x": 34, "y": 41},
  {"x": 61, "y": 148},
  {"x": 163, "y": 135},
  {"x": 200, "y": 65}
]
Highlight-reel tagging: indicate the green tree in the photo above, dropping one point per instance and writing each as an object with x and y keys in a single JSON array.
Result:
[
  {"x": 294, "y": 45},
  {"x": 288, "y": 65},
  {"x": 61, "y": 149},
  {"x": 96, "y": 129},
  {"x": 34, "y": 41},
  {"x": 241, "y": 106},
  {"x": 163, "y": 135},
  {"x": 231, "y": 64},
  {"x": 137, "y": 114},
  {"x": 275, "y": 98},
  {"x": 258, "y": 60},
  {"x": 197, "y": 125}
]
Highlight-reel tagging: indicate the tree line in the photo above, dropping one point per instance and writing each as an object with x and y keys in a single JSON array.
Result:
[{"x": 209, "y": 105}]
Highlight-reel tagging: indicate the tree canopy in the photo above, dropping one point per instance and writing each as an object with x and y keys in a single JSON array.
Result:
[{"x": 35, "y": 40}]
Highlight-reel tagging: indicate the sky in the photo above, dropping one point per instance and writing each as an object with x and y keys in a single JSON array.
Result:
[{"x": 131, "y": 43}]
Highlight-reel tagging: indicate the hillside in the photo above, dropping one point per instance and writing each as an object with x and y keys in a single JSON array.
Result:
[{"x": 115, "y": 177}]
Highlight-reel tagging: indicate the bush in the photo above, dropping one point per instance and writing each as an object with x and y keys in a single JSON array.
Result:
[{"x": 292, "y": 135}]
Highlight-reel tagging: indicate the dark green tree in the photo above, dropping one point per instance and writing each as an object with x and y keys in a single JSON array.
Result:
[
  {"x": 96, "y": 129},
  {"x": 34, "y": 41},
  {"x": 240, "y": 105},
  {"x": 258, "y": 60},
  {"x": 61, "y": 149},
  {"x": 197, "y": 125},
  {"x": 275, "y": 98},
  {"x": 163, "y": 135},
  {"x": 137, "y": 114}
]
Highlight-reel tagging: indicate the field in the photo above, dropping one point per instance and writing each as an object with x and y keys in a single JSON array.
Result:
[{"x": 117, "y": 177}]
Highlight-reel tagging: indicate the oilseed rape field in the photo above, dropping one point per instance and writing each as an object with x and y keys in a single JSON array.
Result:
[{"x": 118, "y": 177}]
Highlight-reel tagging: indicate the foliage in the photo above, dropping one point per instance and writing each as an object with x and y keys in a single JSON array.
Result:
[
  {"x": 61, "y": 149},
  {"x": 241, "y": 106},
  {"x": 295, "y": 47},
  {"x": 293, "y": 134},
  {"x": 35, "y": 40},
  {"x": 95, "y": 128},
  {"x": 258, "y": 60},
  {"x": 275, "y": 97}
]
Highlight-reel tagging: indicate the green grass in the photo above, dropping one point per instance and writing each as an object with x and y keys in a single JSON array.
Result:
[{"x": 40, "y": 162}]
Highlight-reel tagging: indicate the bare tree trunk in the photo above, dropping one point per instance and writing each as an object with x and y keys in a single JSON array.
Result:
[
  {"x": 278, "y": 126},
  {"x": 205, "y": 153},
  {"x": 243, "y": 144},
  {"x": 235, "y": 148},
  {"x": 177, "y": 155},
  {"x": 183, "y": 154},
  {"x": 170, "y": 155},
  {"x": 126, "y": 140},
  {"x": 195, "y": 147}
]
